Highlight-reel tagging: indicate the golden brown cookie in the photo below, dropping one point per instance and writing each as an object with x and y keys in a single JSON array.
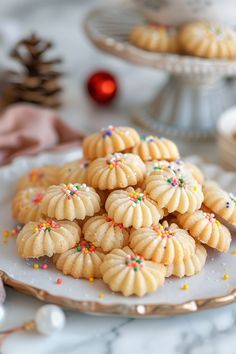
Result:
[
  {"x": 124, "y": 271},
  {"x": 116, "y": 171},
  {"x": 39, "y": 177},
  {"x": 74, "y": 172},
  {"x": 108, "y": 141},
  {"x": 208, "y": 40},
  {"x": 46, "y": 237},
  {"x": 155, "y": 38},
  {"x": 71, "y": 201}
]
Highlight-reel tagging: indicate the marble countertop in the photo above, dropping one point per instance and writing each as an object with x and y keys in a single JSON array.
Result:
[{"x": 211, "y": 332}]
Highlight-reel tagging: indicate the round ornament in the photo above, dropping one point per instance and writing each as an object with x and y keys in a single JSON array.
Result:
[{"x": 102, "y": 87}]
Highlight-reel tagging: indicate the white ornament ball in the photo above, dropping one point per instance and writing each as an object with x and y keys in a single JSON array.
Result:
[
  {"x": 49, "y": 319},
  {"x": 2, "y": 313}
]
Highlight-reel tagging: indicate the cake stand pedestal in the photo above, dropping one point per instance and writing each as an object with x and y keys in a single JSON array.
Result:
[{"x": 196, "y": 92}]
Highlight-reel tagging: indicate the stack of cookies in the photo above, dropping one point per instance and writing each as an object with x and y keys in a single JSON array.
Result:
[
  {"x": 200, "y": 38},
  {"x": 130, "y": 212}
]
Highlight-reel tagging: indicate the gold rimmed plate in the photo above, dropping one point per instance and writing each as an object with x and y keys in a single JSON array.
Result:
[{"x": 206, "y": 290}]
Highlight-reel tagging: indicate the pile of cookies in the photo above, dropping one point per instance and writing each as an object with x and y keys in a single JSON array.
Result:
[
  {"x": 130, "y": 212},
  {"x": 201, "y": 38}
]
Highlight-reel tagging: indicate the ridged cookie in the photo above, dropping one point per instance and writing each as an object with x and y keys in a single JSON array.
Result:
[
  {"x": 188, "y": 266},
  {"x": 116, "y": 171},
  {"x": 108, "y": 141},
  {"x": 39, "y": 177},
  {"x": 130, "y": 274},
  {"x": 44, "y": 238},
  {"x": 71, "y": 201},
  {"x": 132, "y": 208},
  {"x": 162, "y": 243},
  {"x": 208, "y": 40},
  {"x": 174, "y": 191},
  {"x": 154, "y": 148},
  {"x": 206, "y": 229},
  {"x": 26, "y": 205},
  {"x": 155, "y": 38},
  {"x": 220, "y": 202},
  {"x": 74, "y": 172},
  {"x": 82, "y": 261},
  {"x": 103, "y": 232}
]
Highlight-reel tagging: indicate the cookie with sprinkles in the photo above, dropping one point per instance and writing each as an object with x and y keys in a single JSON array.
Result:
[
  {"x": 39, "y": 177},
  {"x": 223, "y": 204},
  {"x": 70, "y": 201},
  {"x": 162, "y": 243},
  {"x": 46, "y": 237},
  {"x": 103, "y": 232},
  {"x": 116, "y": 171},
  {"x": 205, "y": 228},
  {"x": 174, "y": 191},
  {"x": 154, "y": 148},
  {"x": 208, "y": 40},
  {"x": 126, "y": 272},
  {"x": 108, "y": 141},
  {"x": 132, "y": 207},
  {"x": 74, "y": 172},
  {"x": 188, "y": 266},
  {"x": 26, "y": 205},
  {"x": 81, "y": 261},
  {"x": 155, "y": 38}
]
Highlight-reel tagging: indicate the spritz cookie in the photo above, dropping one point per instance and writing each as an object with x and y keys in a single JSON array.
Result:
[
  {"x": 26, "y": 205},
  {"x": 131, "y": 207},
  {"x": 39, "y": 177},
  {"x": 208, "y": 40},
  {"x": 109, "y": 140},
  {"x": 103, "y": 232},
  {"x": 206, "y": 229},
  {"x": 162, "y": 243},
  {"x": 116, "y": 171},
  {"x": 130, "y": 274},
  {"x": 44, "y": 238},
  {"x": 81, "y": 261},
  {"x": 70, "y": 201},
  {"x": 174, "y": 191},
  {"x": 188, "y": 266},
  {"x": 154, "y": 148},
  {"x": 74, "y": 172},
  {"x": 220, "y": 202},
  {"x": 155, "y": 38}
]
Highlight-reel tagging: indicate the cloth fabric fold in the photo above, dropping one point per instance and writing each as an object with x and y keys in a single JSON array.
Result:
[{"x": 27, "y": 129}]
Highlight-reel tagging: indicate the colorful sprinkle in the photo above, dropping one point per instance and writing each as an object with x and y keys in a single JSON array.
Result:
[
  {"x": 185, "y": 287},
  {"x": 36, "y": 266},
  {"x": 101, "y": 296},
  {"x": 38, "y": 198},
  {"x": 15, "y": 231},
  {"x": 108, "y": 219},
  {"x": 85, "y": 247},
  {"x": 44, "y": 266},
  {"x": 115, "y": 161},
  {"x": 163, "y": 232},
  {"x": 175, "y": 181},
  {"x": 135, "y": 262},
  {"x": 226, "y": 276},
  {"x": 91, "y": 279},
  {"x": 136, "y": 198},
  {"x": 147, "y": 138},
  {"x": 107, "y": 132},
  {"x": 234, "y": 252},
  {"x": 47, "y": 226},
  {"x": 59, "y": 281},
  {"x": 73, "y": 189},
  {"x": 36, "y": 176},
  {"x": 6, "y": 233},
  {"x": 211, "y": 217}
]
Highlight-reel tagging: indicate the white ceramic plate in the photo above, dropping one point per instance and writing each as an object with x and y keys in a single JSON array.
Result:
[{"x": 208, "y": 289}]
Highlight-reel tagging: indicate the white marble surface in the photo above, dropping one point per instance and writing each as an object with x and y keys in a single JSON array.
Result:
[{"x": 211, "y": 332}]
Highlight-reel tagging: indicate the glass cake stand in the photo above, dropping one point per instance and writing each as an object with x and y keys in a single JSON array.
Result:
[{"x": 197, "y": 90}]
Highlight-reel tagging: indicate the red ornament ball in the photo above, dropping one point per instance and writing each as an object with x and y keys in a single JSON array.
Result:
[{"x": 102, "y": 87}]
